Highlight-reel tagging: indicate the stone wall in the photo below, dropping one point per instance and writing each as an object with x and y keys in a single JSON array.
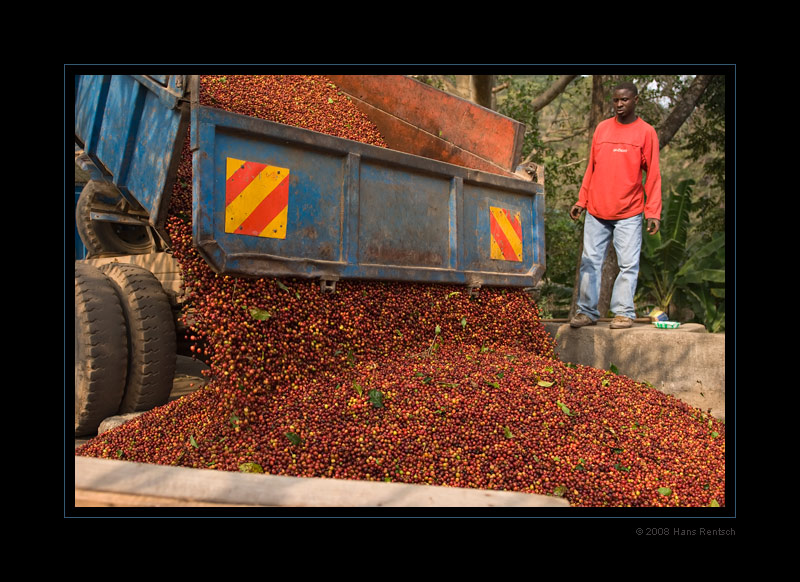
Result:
[{"x": 687, "y": 362}]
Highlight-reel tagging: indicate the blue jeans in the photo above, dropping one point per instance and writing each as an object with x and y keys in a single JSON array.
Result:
[{"x": 626, "y": 235}]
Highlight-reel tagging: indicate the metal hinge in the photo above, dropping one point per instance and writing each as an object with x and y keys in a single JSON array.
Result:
[{"x": 327, "y": 286}]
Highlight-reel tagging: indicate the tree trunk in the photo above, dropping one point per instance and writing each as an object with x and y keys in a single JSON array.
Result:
[
  {"x": 463, "y": 86},
  {"x": 481, "y": 90},
  {"x": 609, "y": 276},
  {"x": 683, "y": 109},
  {"x": 553, "y": 91}
]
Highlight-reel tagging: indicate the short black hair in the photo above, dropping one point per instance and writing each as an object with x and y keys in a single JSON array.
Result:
[{"x": 629, "y": 86}]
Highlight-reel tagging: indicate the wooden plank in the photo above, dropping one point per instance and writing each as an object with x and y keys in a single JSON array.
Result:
[
  {"x": 88, "y": 498},
  {"x": 200, "y": 486}
]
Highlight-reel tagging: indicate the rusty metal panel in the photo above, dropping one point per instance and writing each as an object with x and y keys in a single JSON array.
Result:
[
  {"x": 419, "y": 119},
  {"x": 342, "y": 209}
]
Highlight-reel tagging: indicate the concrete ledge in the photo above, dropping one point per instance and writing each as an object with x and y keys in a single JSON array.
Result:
[
  {"x": 104, "y": 482},
  {"x": 686, "y": 362}
]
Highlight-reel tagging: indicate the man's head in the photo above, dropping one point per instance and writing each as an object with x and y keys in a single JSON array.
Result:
[{"x": 625, "y": 98}]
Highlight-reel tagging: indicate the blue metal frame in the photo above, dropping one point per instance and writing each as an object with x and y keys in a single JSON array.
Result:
[
  {"x": 133, "y": 128},
  {"x": 359, "y": 211}
]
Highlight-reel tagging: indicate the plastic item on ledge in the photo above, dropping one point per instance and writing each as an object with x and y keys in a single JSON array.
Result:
[
  {"x": 658, "y": 315},
  {"x": 666, "y": 324}
]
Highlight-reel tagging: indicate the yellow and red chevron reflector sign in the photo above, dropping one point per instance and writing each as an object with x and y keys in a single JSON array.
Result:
[
  {"x": 256, "y": 199},
  {"x": 506, "y": 234}
]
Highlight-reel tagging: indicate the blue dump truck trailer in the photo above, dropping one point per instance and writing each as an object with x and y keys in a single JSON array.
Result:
[{"x": 269, "y": 200}]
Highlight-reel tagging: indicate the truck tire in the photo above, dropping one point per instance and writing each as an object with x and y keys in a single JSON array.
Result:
[
  {"x": 101, "y": 349},
  {"x": 103, "y": 238},
  {"x": 152, "y": 339}
]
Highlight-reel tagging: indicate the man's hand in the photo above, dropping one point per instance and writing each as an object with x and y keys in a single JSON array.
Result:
[
  {"x": 653, "y": 225},
  {"x": 575, "y": 212}
]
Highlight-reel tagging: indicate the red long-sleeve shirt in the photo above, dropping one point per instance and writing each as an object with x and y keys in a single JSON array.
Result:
[{"x": 612, "y": 186}]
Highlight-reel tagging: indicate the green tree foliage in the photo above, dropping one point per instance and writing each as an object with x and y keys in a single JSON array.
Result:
[
  {"x": 680, "y": 271},
  {"x": 702, "y": 144}
]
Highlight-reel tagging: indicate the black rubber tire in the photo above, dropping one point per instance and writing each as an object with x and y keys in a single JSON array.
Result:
[
  {"x": 103, "y": 238},
  {"x": 101, "y": 349},
  {"x": 152, "y": 349}
]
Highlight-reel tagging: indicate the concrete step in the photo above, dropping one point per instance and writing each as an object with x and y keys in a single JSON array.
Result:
[{"x": 686, "y": 362}]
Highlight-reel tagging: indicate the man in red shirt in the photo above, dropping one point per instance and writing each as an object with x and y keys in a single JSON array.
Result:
[{"x": 623, "y": 147}]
